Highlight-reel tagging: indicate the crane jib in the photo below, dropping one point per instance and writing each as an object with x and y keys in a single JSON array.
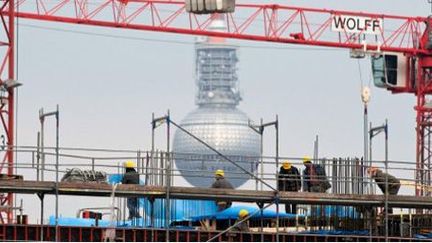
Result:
[{"x": 355, "y": 24}]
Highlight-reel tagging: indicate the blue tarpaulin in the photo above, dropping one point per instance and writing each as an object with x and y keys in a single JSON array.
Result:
[
  {"x": 340, "y": 211},
  {"x": 233, "y": 212},
  {"x": 62, "y": 221},
  {"x": 423, "y": 236},
  {"x": 194, "y": 210}
]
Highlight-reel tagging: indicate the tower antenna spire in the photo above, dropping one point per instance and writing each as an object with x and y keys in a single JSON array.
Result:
[{"x": 430, "y": 3}]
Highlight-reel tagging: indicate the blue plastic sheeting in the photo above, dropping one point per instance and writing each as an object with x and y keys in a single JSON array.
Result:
[
  {"x": 336, "y": 232},
  {"x": 233, "y": 212},
  {"x": 78, "y": 222},
  {"x": 180, "y": 210},
  {"x": 423, "y": 236},
  {"x": 115, "y": 178},
  {"x": 340, "y": 211},
  {"x": 64, "y": 221}
]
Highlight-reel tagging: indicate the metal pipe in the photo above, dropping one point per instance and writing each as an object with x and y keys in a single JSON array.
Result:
[
  {"x": 38, "y": 156},
  {"x": 42, "y": 119},
  {"x": 168, "y": 180},
  {"x": 57, "y": 174},
  {"x": 277, "y": 176},
  {"x": 150, "y": 178},
  {"x": 365, "y": 135},
  {"x": 386, "y": 183},
  {"x": 41, "y": 197},
  {"x": 371, "y": 188},
  {"x": 262, "y": 153}
]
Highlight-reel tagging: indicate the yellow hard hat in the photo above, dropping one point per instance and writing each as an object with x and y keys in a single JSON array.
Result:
[
  {"x": 220, "y": 173},
  {"x": 307, "y": 159},
  {"x": 286, "y": 165},
  {"x": 129, "y": 164},
  {"x": 243, "y": 213}
]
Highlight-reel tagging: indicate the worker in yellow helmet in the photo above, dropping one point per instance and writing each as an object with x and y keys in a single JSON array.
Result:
[
  {"x": 314, "y": 177},
  {"x": 385, "y": 182},
  {"x": 241, "y": 224},
  {"x": 289, "y": 180},
  {"x": 131, "y": 176},
  {"x": 222, "y": 183}
]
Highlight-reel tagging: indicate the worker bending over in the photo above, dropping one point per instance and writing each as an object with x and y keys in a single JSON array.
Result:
[
  {"x": 131, "y": 176},
  {"x": 289, "y": 180},
  {"x": 242, "y": 226},
  {"x": 222, "y": 183},
  {"x": 380, "y": 178},
  {"x": 314, "y": 177}
]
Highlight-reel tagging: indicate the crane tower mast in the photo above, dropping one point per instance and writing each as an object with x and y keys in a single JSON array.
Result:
[{"x": 368, "y": 32}]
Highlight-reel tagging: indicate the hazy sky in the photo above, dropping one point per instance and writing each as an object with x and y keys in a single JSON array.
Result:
[{"x": 108, "y": 87}]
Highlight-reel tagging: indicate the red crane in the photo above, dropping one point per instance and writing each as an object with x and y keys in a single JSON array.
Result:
[{"x": 367, "y": 32}]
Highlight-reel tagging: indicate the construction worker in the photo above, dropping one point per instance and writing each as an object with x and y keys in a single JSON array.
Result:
[
  {"x": 314, "y": 177},
  {"x": 222, "y": 183},
  {"x": 242, "y": 226},
  {"x": 380, "y": 178},
  {"x": 289, "y": 180},
  {"x": 131, "y": 176}
]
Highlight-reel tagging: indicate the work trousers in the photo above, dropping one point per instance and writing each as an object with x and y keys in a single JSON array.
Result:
[{"x": 132, "y": 204}]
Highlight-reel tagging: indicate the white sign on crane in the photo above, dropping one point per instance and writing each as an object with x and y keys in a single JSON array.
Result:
[{"x": 356, "y": 24}]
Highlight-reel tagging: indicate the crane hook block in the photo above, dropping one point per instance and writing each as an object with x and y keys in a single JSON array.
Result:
[{"x": 210, "y": 6}]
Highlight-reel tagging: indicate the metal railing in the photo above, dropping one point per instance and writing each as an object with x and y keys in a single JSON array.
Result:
[{"x": 346, "y": 176}]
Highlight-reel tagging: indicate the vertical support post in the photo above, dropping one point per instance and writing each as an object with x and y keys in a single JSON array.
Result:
[
  {"x": 57, "y": 175},
  {"x": 152, "y": 164},
  {"x": 140, "y": 168},
  {"x": 365, "y": 144},
  {"x": 315, "y": 153},
  {"x": 38, "y": 156},
  {"x": 371, "y": 188},
  {"x": 168, "y": 179},
  {"x": 277, "y": 176},
  {"x": 261, "y": 130},
  {"x": 386, "y": 184},
  {"x": 41, "y": 197},
  {"x": 42, "y": 132},
  {"x": 11, "y": 100}
]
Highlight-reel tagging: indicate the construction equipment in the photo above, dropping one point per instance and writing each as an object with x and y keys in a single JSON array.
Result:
[
  {"x": 210, "y": 6},
  {"x": 84, "y": 176}
]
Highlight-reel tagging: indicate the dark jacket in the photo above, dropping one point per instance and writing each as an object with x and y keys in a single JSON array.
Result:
[
  {"x": 241, "y": 227},
  {"x": 221, "y": 182},
  {"x": 314, "y": 176},
  {"x": 130, "y": 177},
  {"x": 393, "y": 182},
  {"x": 289, "y": 180}
]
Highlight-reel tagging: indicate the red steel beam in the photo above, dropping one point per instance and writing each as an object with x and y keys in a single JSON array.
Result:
[{"x": 267, "y": 22}]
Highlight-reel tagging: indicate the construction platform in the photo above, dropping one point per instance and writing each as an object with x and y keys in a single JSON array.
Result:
[
  {"x": 105, "y": 190},
  {"x": 29, "y": 232}
]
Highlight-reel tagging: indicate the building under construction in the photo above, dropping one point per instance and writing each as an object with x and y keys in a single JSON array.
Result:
[{"x": 174, "y": 199}]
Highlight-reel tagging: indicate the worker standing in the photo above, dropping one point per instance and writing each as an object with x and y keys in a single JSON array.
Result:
[
  {"x": 222, "y": 183},
  {"x": 242, "y": 226},
  {"x": 381, "y": 178},
  {"x": 289, "y": 180},
  {"x": 131, "y": 176},
  {"x": 314, "y": 177}
]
